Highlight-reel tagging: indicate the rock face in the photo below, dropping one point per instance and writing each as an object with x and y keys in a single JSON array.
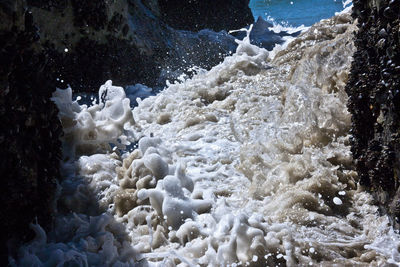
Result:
[
  {"x": 30, "y": 128},
  {"x": 194, "y": 15},
  {"x": 130, "y": 41},
  {"x": 46, "y": 44},
  {"x": 374, "y": 101}
]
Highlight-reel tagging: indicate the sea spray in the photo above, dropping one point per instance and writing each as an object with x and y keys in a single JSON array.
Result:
[{"x": 246, "y": 164}]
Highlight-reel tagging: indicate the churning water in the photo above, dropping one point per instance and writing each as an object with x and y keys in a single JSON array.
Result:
[{"x": 247, "y": 164}]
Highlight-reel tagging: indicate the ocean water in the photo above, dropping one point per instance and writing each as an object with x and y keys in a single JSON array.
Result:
[
  {"x": 247, "y": 164},
  {"x": 295, "y": 13}
]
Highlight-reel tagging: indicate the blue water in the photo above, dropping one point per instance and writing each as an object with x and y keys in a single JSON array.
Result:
[{"x": 295, "y": 12}]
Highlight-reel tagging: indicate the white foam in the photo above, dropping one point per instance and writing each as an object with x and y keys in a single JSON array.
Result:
[
  {"x": 92, "y": 129},
  {"x": 347, "y": 7},
  {"x": 250, "y": 164}
]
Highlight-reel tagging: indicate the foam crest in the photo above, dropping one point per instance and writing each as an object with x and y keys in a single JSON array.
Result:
[{"x": 92, "y": 129}]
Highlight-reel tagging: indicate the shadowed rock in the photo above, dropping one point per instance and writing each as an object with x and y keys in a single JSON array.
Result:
[
  {"x": 29, "y": 146},
  {"x": 128, "y": 42},
  {"x": 217, "y": 15},
  {"x": 374, "y": 101}
]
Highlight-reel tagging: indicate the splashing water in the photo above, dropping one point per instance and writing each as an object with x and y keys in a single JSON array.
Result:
[{"x": 247, "y": 164}]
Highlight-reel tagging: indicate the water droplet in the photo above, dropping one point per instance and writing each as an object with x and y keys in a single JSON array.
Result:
[{"x": 337, "y": 201}]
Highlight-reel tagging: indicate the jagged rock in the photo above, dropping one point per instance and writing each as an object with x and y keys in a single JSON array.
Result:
[{"x": 374, "y": 101}]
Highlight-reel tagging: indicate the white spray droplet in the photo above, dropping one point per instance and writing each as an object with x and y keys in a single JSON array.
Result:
[{"x": 337, "y": 201}]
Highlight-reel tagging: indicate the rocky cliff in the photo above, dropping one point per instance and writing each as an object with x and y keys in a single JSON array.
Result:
[{"x": 374, "y": 101}]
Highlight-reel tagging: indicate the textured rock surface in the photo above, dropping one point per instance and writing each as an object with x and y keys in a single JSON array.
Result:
[
  {"x": 374, "y": 101},
  {"x": 29, "y": 145},
  {"x": 127, "y": 41},
  {"x": 217, "y": 15}
]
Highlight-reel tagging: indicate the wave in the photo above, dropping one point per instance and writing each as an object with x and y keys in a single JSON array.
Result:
[{"x": 246, "y": 164}]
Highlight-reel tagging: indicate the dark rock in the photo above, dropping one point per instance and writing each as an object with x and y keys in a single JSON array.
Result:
[
  {"x": 129, "y": 42},
  {"x": 374, "y": 102},
  {"x": 29, "y": 146},
  {"x": 88, "y": 13},
  {"x": 217, "y": 15}
]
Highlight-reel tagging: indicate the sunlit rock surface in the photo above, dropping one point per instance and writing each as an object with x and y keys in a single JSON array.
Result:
[{"x": 374, "y": 102}]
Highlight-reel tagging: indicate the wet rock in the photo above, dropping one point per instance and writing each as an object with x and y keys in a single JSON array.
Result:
[{"x": 374, "y": 102}]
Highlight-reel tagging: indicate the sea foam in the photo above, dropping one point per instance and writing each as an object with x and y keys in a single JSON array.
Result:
[{"x": 246, "y": 164}]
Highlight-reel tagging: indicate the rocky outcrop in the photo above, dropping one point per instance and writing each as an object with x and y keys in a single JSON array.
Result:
[
  {"x": 127, "y": 41},
  {"x": 374, "y": 101},
  {"x": 30, "y": 128},
  {"x": 194, "y": 15}
]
